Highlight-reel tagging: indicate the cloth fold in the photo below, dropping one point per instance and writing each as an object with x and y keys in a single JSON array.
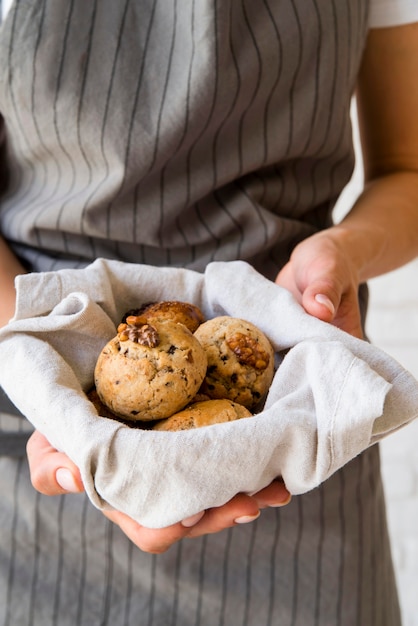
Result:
[{"x": 332, "y": 395}]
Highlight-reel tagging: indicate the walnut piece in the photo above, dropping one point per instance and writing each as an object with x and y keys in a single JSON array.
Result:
[
  {"x": 138, "y": 330},
  {"x": 248, "y": 351},
  {"x": 136, "y": 312}
]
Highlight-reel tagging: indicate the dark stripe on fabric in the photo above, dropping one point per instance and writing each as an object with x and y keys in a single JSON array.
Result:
[
  {"x": 238, "y": 226},
  {"x": 14, "y": 105},
  {"x": 298, "y": 63},
  {"x": 152, "y": 592},
  {"x": 314, "y": 114},
  {"x": 107, "y": 96},
  {"x": 257, "y": 81},
  {"x": 13, "y": 545},
  {"x": 159, "y": 119},
  {"x": 181, "y": 141},
  {"x": 165, "y": 84},
  {"x": 216, "y": 241},
  {"x": 345, "y": 128},
  {"x": 46, "y": 150},
  {"x": 296, "y": 562},
  {"x": 313, "y": 110},
  {"x": 35, "y": 563},
  {"x": 371, "y": 529},
  {"x": 225, "y": 568},
  {"x": 134, "y": 108},
  {"x": 273, "y": 560},
  {"x": 82, "y": 151},
  {"x": 249, "y": 581},
  {"x": 108, "y": 574},
  {"x": 202, "y": 131},
  {"x": 342, "y": 549},
  {"x": 176, "y": 581},
  {"x": 360, "y": 545},
  {"x": 83, "y": 561},
  {"x": 129, "y": 591},
  {"x": 200, "y": 594},
  {"x": 60, "y": 563},
  {"x": 79, "y": 125},
  {"x": 256, "y": 207},
  {"x": 60, "y": 143},
  {"x": 330, "y": 108},
  {"x": 217, "y": 142},
  {"x": 320, "y": 551},
  {"x": 275, "y": 83}
]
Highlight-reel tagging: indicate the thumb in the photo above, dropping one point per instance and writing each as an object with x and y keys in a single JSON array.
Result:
[
  {"x": 52, "y": 472},
  {"x": 321, "y": 300},
  {"x": 329, "y": 305}
]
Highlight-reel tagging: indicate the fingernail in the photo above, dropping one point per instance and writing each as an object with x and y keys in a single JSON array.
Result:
[
  {"x": 192, "y": 520},
  {"x": 325, "y": 301},
  {"x": 66, "y": 480},
  {"x": 245, "y": 519},
  {"x": 283, "y": 502}
]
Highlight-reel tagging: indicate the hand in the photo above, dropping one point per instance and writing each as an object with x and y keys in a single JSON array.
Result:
[
  {"x": 53, "y": 473},
  {"x": 323, "y": 278}
]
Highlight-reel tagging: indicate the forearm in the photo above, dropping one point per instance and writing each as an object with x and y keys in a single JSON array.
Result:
[
  {"x": 10, "y": 267},
  {"x": 381, "y": 231}
]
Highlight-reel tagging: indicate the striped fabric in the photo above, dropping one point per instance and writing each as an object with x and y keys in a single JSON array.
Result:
[
  {"x": 180, "y": 133},
  {"x": 175, "y": 134},
  {"x": 323, "y": 560}
]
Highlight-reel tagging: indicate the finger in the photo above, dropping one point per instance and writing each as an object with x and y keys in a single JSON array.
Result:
[
  {"x": 348, "y": 316},
  {"x": 286, "y": 279},
  {"x": 152, "y": 540},
  {"x": 239, "y": 510},
  {"x": 322, "y": 300},
  {"x": 52, "y": 473},
  {"x": 330, "y": 303},
  {"x": 273, "y": 495}
]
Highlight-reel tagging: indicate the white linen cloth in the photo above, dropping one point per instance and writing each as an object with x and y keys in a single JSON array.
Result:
[{"x": 332, "y": 395}]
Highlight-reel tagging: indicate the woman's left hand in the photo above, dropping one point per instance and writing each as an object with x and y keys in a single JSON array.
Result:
[{"x": 323, "y": 279}]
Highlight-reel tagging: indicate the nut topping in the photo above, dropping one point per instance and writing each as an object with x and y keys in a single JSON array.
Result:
[
  {"x": 139, "y": 331},
  {"x": 248, "y": 352}
]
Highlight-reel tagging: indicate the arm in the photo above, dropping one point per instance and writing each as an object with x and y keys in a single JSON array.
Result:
[{"x": 380, "y": 233}]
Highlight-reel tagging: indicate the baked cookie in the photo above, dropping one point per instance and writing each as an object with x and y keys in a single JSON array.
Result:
[
  {"x": 101, "y": 408},
  {"x": 104, "y": 411},
  {"x": 169, "y": 311},
  {"x": 240, "y": 360},
  {"x": 149, "y": 372},
  {"x": 203, "y": 414}
]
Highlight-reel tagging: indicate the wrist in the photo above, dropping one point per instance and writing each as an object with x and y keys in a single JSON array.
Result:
[
  {"x": 381, "y": 229},
  {"x": 364, "y": 247}
]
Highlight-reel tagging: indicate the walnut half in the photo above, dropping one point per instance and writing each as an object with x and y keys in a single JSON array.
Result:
[
  {"x": 248, "y": 351},
  {"x": 136, "y": 329}
]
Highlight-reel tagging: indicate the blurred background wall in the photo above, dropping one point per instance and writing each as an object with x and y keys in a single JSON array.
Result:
[{"x": 393, "y": 326}]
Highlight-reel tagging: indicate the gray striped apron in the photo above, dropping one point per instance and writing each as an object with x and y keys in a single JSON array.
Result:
[{"x": 178, "y": 133}]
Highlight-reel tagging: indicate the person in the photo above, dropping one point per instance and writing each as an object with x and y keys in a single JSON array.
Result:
[{"x": 177, "y": 135}]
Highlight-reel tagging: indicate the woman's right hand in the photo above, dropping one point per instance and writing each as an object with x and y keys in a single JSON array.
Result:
[{"x": 53, "y": 473}]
